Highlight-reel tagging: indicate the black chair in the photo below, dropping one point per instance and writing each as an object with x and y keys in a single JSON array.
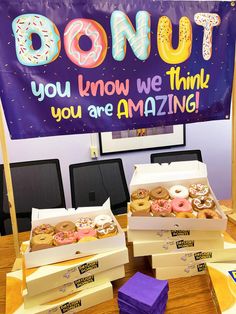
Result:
[
  {"x": 35, "y": 184},
  {"x": 93, "y": 182},
  {"x": 169, "y": 157}
]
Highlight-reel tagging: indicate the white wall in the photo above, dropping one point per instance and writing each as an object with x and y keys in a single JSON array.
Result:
[{"x": 212, "y": 138}]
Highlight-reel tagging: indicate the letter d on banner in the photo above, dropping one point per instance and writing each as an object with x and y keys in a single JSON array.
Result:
[{"x": 24, "y": 26}]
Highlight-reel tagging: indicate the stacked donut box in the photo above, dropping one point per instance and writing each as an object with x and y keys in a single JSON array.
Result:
[
  {"x": 176, "y": 246},
  {"x": 69, "y": 277}
]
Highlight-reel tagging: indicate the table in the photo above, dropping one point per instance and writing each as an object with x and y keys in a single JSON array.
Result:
[{"x": 186, "y": 294}]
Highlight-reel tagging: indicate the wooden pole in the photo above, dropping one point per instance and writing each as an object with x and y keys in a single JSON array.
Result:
[{"x": 10, "y": 194}]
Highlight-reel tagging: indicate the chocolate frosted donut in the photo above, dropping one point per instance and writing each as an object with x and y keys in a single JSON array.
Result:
[
  {"x": 203, "y": 202},
  {"x": 159, "y": 193},
  {"x": 41, "y": 241},
  {"x": 65, "y": 226},
  {"x": 140, "y": 194}
]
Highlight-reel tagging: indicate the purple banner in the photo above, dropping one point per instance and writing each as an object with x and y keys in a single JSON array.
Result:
[{"x": 70, "y": 66}]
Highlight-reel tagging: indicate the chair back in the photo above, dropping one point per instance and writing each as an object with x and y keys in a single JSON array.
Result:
[{"x": 169, "y": 157}]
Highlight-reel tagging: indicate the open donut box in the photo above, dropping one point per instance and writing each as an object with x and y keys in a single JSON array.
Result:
[
  {"x": 150, "y": 176},
  {"x": 76, "y": 250}
]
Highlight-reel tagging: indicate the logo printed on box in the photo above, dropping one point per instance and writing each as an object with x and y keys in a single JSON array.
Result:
[
  {"x": 201, "y": 267},
  {"x": 184, "y": 243},
  {"x": 83, "y": 281},
  {"x": 176, "y": 233},
  {"x": 202, "y": 255},
  {"x": 87, "y": 266},
  {"x": 70, "y": 306},
  {"x": 233, "y": 275}
]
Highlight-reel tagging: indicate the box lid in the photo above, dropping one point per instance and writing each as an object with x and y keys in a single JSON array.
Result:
[{"x": 151, "y": 173}]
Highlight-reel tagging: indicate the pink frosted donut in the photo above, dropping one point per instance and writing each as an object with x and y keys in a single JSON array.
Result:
[
  {"x": 62, "y": 238},
  {"x": 159, "y": 206},
  {"x": 85, "y": 27},
  {"x": 86, "y": 233},
  {"x": 181, "y": 205}
]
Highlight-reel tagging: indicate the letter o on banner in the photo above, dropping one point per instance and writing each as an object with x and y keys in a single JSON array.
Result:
[{"x": 85, "y": 27}]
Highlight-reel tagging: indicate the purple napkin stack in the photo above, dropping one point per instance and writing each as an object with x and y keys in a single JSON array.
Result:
[{"x": 142, "y": 294}]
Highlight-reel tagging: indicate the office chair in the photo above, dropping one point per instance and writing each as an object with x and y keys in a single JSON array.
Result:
[
  {"x": 93, "y": 182},
  {"x": 35, "y": 184},
  {"x": 169, "y": 157}
]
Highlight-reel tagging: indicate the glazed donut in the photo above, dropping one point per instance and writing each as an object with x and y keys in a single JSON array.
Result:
[
  {"x": 181, "y": 205},
  {"x": 140, "y": 194},
  {"x": 203, "y": 202},
  {"x": 90, "y": 28},
  {"x": 44, "y": 228},
  {"x": 139, "y": 207},
  {"x": 185, "y": 215},
  {"x": 196, "y": 190},
  {"x": 88, "y": 239},
  {"x": 159, "y": 206},
  {"x": 65, "y": 226},
  {"x": 208, "y": 21},
  {"x": 62, "y": 238},
  {"x": 163, "y": 214},
  {"x": 178, "y": 191},
  {"x": 86, "y": 233},
  {"x": 41, "y": 241},
  {"x": 122, "y": 31},
  {"x": 102, "y": 220},
  {"x": 27, "y": 24},
  {"x": 208, "y": 214},
  {"x": 109, "y": 231},
  {"x": 159, "y": 193},
  {"x": 85, "y": 223},
  {"x": 164, "y": 40}
]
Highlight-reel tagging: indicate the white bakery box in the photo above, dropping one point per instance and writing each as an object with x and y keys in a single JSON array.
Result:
[
  {"x": 150, "y": 176},
  {"x": 71, "y": 251}
]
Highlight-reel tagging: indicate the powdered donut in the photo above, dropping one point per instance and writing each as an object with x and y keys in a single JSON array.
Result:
[
  {"x": 102, "y": 220},
  {"x": 196, "y": 190},
  {"x": 140, "y": 194},
  {"x": 178, "y": 191},
  {"x": 86, "y": 233},
  {"x": 41, "y": 241},
  {"x": 85, "y": 223},
  {"x": 44, "y": 228},
  {"x": 140, "y": 206},
  {"x": 185, "y": 215},
  {"x": 208, "y": 214},
  {"x": 90, "y": 28},
  {"x": 65, "y": 226},
  {"x": 159, "y": 193},
  {"x": 181, "y": 205},
  {"x": 109, "y": 231},
  {"x": 202, "y": 202},
  {"x": 159, "y": 206},
  {"x": 62, "y": 238}
]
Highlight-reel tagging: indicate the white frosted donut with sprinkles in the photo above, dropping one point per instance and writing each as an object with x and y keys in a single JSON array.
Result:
[
  {"x": 27, "y": 24},
  {"x": 80, "y": 27}
]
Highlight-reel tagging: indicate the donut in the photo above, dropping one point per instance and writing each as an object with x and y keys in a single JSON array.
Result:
[
  {"x": 159, "y": 206},
  {"x": 178, "y": 191},
  {"x": 96, "y": 33},
  {"x": 65, "y": 226},
  {"x": 208, "y": 21},
  {"x": 202, "y": 202},
  {"x": 140, "y": 194},
  {"x": 27, "y": 24},
  {"x": 181, "y": 205},
  {"x": 44, "y": 228},
  {"x": 163, "y": 214},
  {"x": 185, "y": 215},
  {"x": 102, "y": 220},
  {"x": 109, "y": 231},
  {"x": 196, "y": 190},
  {"x": 208, "y": 214},
  {"x": 122, "y": 31},
  {"x": 164, "y": 40},
  {"x": 41, "y": 241},
  {"x": 159, "y": 193},
  {"x": 140, "y": 207},
  {"x": 62, "y": 238},
  {"x": 88, "y": 239},
  {"x": 86, "y": 233},
  {"x": 85, "y": 223}
]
